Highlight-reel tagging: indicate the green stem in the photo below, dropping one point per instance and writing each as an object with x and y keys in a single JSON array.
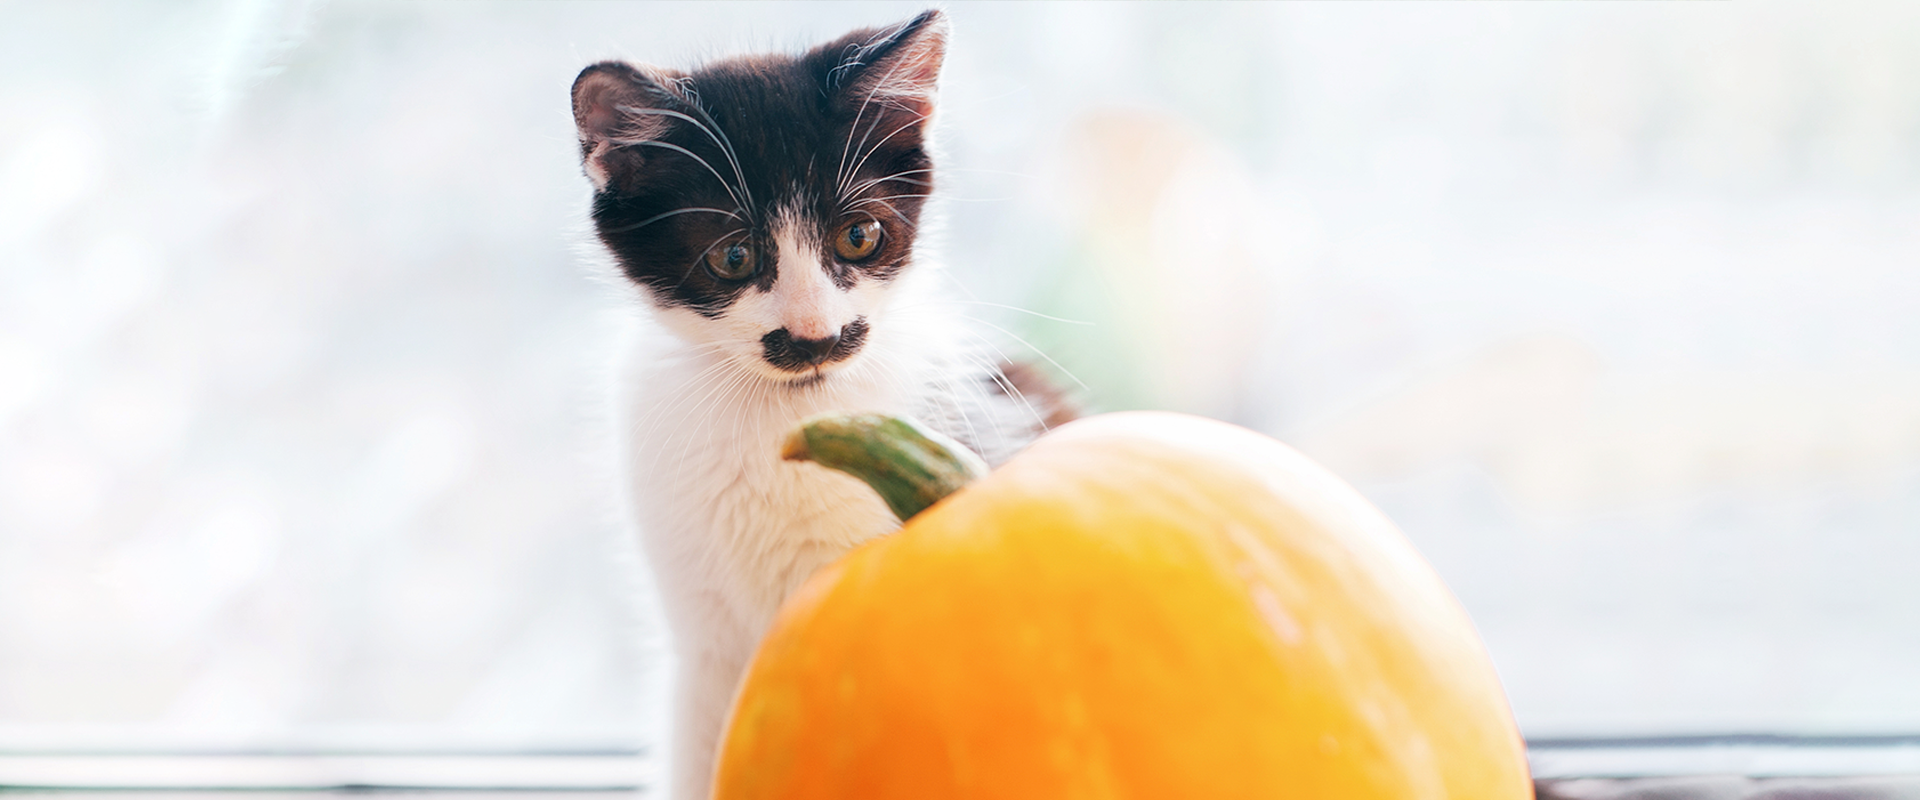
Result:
[{"x": 911, "y": 467}]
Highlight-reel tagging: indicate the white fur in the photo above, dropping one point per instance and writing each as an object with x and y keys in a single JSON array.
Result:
[
  {"x": 730, "y": 528},
  {"x": 804, "y": 301}
]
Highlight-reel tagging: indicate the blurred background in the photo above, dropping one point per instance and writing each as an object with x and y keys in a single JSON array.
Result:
[{"x": 1614, "y": 307}]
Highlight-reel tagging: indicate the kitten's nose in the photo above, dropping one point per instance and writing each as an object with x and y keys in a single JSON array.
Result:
[
  {"x": 815, "y": 351},
  {"x": 787, "y": 352}
]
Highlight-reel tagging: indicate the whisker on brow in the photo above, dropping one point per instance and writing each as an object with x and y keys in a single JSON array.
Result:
[
  {"x": 726, "y": 146},
  {"x": 713, "y": 132},
  {"x": 904, "y": 220},
  {"x": 842, "y": 174},
  {"x": 917, "y": 119},
  {"x": 676, "y": 212},
  {"x": 898, "y": 176},
  {"x": 885, "y": 198},
  {"x": 690, "y": 154}
]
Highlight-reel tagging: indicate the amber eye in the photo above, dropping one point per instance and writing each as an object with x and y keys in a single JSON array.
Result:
[
  {"x": 858, "y": 241},
  {"x": 731, "y": 261}
]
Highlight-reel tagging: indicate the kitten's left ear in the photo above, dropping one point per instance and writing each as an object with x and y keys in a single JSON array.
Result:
[
  {"x": 898, "y": 67},
  {"x": 612, "y": 107}
]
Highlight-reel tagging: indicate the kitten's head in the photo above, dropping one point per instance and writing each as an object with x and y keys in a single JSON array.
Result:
[{"x": 766, "y": 203}]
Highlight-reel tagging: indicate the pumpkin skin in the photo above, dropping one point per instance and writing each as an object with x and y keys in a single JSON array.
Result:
[{"x": 1140, "y": 605}]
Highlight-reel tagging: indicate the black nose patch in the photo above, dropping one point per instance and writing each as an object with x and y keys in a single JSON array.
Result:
[{"x": 799, "y": 355}]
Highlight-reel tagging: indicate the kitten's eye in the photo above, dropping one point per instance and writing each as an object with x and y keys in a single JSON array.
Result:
[
  {"x": 858, "y": 241},
  {"x": 731, "y": 261}
]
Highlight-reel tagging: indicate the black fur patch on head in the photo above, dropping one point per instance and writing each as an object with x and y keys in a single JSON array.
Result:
[{"x": 687, "y": 162}]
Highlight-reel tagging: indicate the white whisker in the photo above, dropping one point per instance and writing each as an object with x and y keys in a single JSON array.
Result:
[
  {"x": 898, "y": 176},
  {"x": 1036, "y": 351},
  {"x": 847, "y": 175},
  {"x": 1024, "y": 311},
  {"x": 999, "y": 376},
  {"x": 882, "y": 202},
  {"x": 917, "y": 119},
  {"x": 690, "y": 154},
  {"x": 676, "y": 212},
  {"x": 714, "y": 133}
]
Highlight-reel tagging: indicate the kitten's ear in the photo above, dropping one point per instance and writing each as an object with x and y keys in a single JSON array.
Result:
[
  {"x": 897, "y": 67},
  {"x": 611, "y": 105}
]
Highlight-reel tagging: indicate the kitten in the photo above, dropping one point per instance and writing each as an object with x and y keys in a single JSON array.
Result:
[{"x": 766, "y": 208}]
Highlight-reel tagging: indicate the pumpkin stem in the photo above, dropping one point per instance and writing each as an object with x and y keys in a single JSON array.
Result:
[{"x": 911, "y": 467}]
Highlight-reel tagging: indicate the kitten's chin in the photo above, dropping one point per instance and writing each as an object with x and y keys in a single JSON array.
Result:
[{"x": 814, "y": 378}]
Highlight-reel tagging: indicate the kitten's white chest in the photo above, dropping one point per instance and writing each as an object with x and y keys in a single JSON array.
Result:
[{"x": 733, "y": 528}]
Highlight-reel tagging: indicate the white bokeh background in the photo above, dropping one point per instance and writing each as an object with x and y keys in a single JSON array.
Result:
[{"x": 1615, "y": 307}]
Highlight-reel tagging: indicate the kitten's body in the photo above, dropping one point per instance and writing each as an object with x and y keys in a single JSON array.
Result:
[
  {"x": 741, "y": 235},
  {"x": 731, "y": 530}
]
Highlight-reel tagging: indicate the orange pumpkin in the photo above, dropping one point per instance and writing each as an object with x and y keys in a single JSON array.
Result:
[{"x": 1140, "y": 605}]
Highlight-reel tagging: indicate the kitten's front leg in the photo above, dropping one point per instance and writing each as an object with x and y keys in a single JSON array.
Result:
[
  {"x": 703, "y": 694},
  {"x": 720, "y": 625}
]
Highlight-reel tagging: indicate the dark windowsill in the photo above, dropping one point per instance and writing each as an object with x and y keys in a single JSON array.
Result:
[
  {"x": 322, "y": 772},
  {"x": 1731, "y": 787},
  {"x": 1664, "y": 768},
  {"x": 1728, "y": 767}
]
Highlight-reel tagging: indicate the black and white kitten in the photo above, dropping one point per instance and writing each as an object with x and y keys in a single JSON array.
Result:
[{"x": 766, "y": 207}]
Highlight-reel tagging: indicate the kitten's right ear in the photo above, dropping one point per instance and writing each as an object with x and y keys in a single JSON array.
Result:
[
  {"x": 896, "y": 67},
  {"x": 610, "y": 104}
]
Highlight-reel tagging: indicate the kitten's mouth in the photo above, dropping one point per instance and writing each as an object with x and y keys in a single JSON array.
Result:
[{"x": 812, "y": 375}]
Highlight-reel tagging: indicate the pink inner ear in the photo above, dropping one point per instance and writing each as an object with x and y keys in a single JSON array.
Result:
[
  {"x": 596, "y": 106},
  {"x": 920, "y": 64},
  {"x": 908, "y": 79}
]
